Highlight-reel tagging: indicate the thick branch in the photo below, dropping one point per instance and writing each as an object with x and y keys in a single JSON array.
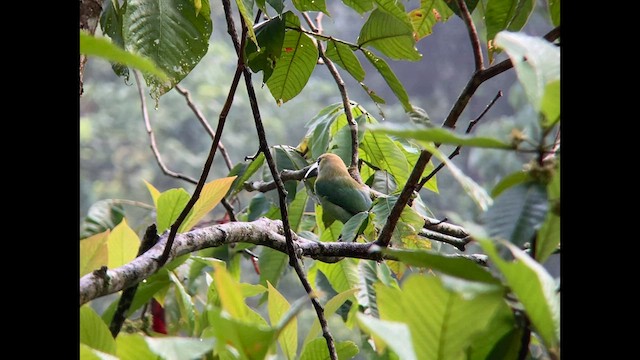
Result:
[
  {"x": 263, "y": 232},
  {"x": 285, "y": 175},
  {"x": 90, "y": 11},
  {"x": 459, "y": 243}
]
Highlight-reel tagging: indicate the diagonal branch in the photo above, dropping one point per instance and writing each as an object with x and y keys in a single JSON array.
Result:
[
  {"x": 264, "y": 232},
  {"x": 353, "y": 125},
  {"x": 473, "y": 35}
]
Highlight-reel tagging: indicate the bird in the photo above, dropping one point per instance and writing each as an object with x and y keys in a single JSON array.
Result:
[{"x": 340, "y": 196}]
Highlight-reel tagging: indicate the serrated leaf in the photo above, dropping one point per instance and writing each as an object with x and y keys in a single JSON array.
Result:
[
  {"x": 111, "y": 25},
  {"x": 244, "y": 171},
  {"x": 477, "y": 193},
  {"x": 94, "y": 332},
  {"x": 169, "y": 206},
  {"x": 367, "y": 295},
  {"x": 311, "y": 5},
  {"x": 550, "y": 104},
  {"x": 133, "y": 347},
  {"x": 278, "y": 307},
  {"x": 123, "y": 244},
  {"x": 509, "y": 181},
  {"x": 185, "y": 304},
  {"x": 329, "y": 308},
  {"x": 534, "y": 288},
  {"x": 171, "y": 34},
  {"x": 454, "y": 266},
  {"x": 270, "y": 36},
  {"x": 390, "y": 78},
  {"x": 93, "y": 252},
  {"x": 517, "y": 213},
  {"x": 394, "y": 334},
  {"x": 180, "y": 348},
  {"x": 105, "y": 49},
  {"x": 317, "y": 350},
  {"x": 509, "y": 15},
  {"x": 554, "y": 11},
  {"x": 343, "y": 55},
  {"x": 443, "y": 321},
  {"x": 542, "y": 64},
  {"x": 389, "y": 34},
  {"x": 101, "y": 216},
  {"x": 342, "y": 275},
  {"x": 210, "y": 196},
  {"x": 293, "y": 69},
  {"x": 437, "y": 135},
  {"x": 361, "y": 6}
]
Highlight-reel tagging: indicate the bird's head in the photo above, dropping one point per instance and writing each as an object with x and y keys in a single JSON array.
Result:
[{"x": 327, "y": 166}]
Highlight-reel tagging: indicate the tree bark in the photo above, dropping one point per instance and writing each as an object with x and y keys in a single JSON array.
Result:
[{"x": 90, "y": 11}]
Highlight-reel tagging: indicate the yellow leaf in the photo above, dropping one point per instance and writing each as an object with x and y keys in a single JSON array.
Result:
[
  {"x": 93, "y": 252},
  {"x": 123, "y": 245},
  {"x": 229, "y": 292},
  {"x": 278, "y": 306},
  {"x": 154, "y": 192},
  {"x": 210, "y": 196}
]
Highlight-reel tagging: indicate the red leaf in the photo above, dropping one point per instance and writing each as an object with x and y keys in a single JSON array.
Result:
[{"x": 157, "y": 312}]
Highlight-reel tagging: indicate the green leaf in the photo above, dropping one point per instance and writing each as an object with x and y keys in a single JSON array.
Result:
[
  {"x": 210, "y": 196},
  {"x": 246, "y": 11},
  {"x": 329, "y": 308},
  {"x": 343, "y": 55},
  {"x": 133, "y": 347},
  {"x": 372, "y": 94},
  {"x": 389, "y": 34},
  {"x": 554, "y": 11},
  {"x": 251, "y": 340},
  {"x": 185, "y": 305},
  {"x": 501, "y": 339},
  {"x": 87, "y": 353},
  {"x": 317, "y": 350},
  {"x": 509, "y": 15},
  {"x": 367, "y": 294},
  {"x": 342, "y": 275},
  {"x": 361, "y": 6},
  {"x": 296, "y": 210},
  {"x": 424, "y": 18},
  {"x": 293, "y": 69},
  {"x": 111, "y": 25},
  {"x": 454, "y": 266},
  {"x": 453, "y": 5},
  {"x": 550, "y": 104},
  {"x": 517, "y": 213},
  {"x": 509, "y": 181},
  {"x": 542, "y": 64},
  {"x": 155, "y": 193},
  {"x": 94, "y": 332},
  {"x": 169, "y": 206},
  {"x": 327, "y": 233},
  {"x": 171, "y": 33},
  {"x": 548, "y": 237},
  {"x": 382, "y": 152},
  {"x": 270, "y": 36},
  {"x": 102, "y": 47},
  {"x": 278, "y": 306},
  {"x": 94, "y": 252},
  {"x": 180, "y": 348},
  {"x": 311, "y": 5},
  {"x": 475, "y": 191},
  {"x": 534, "y": 288},
  {"x": 244, "y": 171},
  {"x": 412, "y": 153},
  {"x": 390, "y": 78},
  {"x": 437, "y": 135},
  {"x": 272, "y": 264},
  {"x": 443, "y": 320},
  {"x": 354, "y": 227},
  {"x": 287, "y": 158},
  {"x": 123, "y": 244},
  {"x": 382, "y": 209},
  {"x": 394, "y": 334},
  {"x": 277, "y": 5},
  {"x": 102, "y": 215}
]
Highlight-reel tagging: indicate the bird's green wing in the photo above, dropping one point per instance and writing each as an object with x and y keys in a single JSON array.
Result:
[{"x": 344, "y": 194}]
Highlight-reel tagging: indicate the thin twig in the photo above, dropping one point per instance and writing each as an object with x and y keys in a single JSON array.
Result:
[
  {"x": 282, "y": 195},
  {"x": 473, "y": 35},
  {"x": 552, "y": 152},
  {"x": 205, "y": 123},
  {"x": 346, "y": 103},
  {"x": 458, "y": 243},
  {"x": 456, "y": 151},
  {"x": 152, "y": 138},
  {"x": 207, "y": 166},
  {"x": 285, "y": 175}
]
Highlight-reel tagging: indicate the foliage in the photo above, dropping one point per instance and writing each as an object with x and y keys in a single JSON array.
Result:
[{"x": 428, "y": 303}]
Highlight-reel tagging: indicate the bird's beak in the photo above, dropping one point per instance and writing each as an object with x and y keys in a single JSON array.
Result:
[{"x": 313, "y": 171}]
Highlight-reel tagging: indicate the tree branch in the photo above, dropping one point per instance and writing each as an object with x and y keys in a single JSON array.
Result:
[
  {"x": 152, "y": 138},
  {"x": 473, "y": 35},
  {"x": 205, "y": 123},
  {"x": 264, "y": 232},
  {"x": 90, "y": 11},
  {"x": 346, "y": 103},
  {"x": 285, "y": 175},
  {"x": 459, "y": 243}
]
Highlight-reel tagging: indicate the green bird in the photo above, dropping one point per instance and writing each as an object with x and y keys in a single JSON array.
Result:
[{"x": 339, "y": 194}]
